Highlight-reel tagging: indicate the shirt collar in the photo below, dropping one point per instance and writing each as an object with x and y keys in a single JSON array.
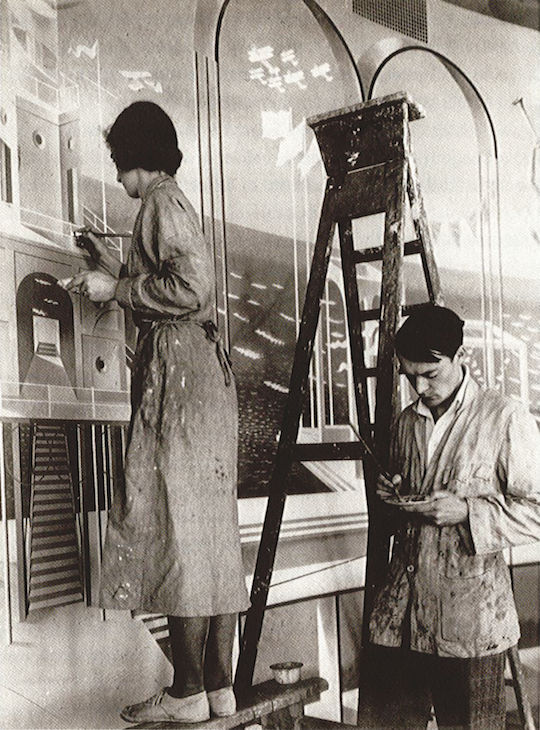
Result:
[
  {"x": 464, "y": 394},
  {"x": 154, "y": 184}
]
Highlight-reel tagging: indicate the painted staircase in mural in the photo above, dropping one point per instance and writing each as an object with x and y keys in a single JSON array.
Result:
[
  {"x": 158, "y": 627},
  {"x": 55, "y": 570}
]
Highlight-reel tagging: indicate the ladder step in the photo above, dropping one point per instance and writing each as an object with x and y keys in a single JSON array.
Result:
[
  {"x": 333, "y": 451},
  {"x": 410, "y": 308},
  {"x": 369, "y": 372},
  {"x": 50, "y": 461},
  {"x": 60, "y": 494},
  {"x": 368, "y": 315},
  {"x": 364, "y": 255}
]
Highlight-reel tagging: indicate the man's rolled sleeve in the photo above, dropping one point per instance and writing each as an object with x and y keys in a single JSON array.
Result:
[{"x": 512, "y": 516}]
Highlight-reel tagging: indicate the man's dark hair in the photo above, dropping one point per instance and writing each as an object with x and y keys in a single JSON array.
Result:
[
  {"x": 429, "y": 332},
  {"x": 144, "y": 136}
]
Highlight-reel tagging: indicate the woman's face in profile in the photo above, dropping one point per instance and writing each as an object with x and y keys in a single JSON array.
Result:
[{"x": 130, "y": 180}]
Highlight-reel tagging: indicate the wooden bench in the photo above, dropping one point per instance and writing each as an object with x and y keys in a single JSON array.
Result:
[{"x": 274, "y": 706}]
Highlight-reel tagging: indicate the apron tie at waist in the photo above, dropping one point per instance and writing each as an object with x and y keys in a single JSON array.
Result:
[
  {"x": 147, "y": 323},
  {"x": 213, "y": 335}
]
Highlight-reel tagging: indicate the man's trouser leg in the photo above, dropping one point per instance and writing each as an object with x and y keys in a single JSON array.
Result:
[
  {"x": 398, "y": 688},
  {"x": 470, "y": 693},
  {"x": 394, "y": 689}
]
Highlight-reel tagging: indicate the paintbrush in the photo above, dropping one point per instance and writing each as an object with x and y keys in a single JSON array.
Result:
[{"x": 375, "y": 461}]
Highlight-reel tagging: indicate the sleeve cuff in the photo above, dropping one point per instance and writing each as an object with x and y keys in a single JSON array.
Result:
[
  {"x": 484, "y": 534},
  {"x": 123, "y": 293}
]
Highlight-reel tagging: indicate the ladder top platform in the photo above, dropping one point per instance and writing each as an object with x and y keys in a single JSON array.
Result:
[
  {"x": 367, "y": 109},
  {"x": 365, "y": 135}
]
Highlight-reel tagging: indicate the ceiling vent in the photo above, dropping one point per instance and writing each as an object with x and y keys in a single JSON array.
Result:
[{"x": 408, "y": 17}]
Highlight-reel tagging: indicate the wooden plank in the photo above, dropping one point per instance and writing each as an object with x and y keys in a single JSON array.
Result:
[
  {"x": 255, "y": 703},
  {"x": 332, "y": 451}
]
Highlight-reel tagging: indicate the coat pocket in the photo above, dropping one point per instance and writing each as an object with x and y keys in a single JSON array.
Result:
[
  {"x": 461, "y": 617},
  {"x": 456, "y": 560},
  {"x": 477, "y": 609},
  {"x": 472, "y": 480}
]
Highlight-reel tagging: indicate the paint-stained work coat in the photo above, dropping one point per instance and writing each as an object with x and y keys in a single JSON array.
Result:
[
  {"x": 450, "y": 587},
  {"x": 172, "y": 543}
]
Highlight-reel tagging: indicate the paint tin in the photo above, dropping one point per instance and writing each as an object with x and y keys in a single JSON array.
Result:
[{"x": 286, "y": 672}]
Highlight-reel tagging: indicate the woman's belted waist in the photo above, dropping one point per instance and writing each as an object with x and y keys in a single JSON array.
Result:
[
  {"x": 145, "y": 323},
  {"x": 213, "y": 335}
]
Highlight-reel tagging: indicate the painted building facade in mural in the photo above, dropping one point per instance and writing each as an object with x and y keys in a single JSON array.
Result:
[{"x": 61, "y": 355}]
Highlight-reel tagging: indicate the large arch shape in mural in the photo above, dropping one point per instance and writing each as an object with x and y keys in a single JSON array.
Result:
[
  {"x": 213, "y": 22},
  {"x": 372, "y": 64},
  {"x": 209, "y": 18},
  {"x": 485, "y": 131}
]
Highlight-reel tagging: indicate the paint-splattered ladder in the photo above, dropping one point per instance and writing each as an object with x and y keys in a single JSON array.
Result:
[{"x": 367, "y": 154}]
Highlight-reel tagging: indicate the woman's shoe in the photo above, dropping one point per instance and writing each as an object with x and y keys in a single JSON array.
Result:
[
  {"x": 222, "y": 702},
  {"x": 161, "y": 707}
]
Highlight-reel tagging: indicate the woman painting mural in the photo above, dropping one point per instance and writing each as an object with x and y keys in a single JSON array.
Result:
[{"x": 172, "y": 544}]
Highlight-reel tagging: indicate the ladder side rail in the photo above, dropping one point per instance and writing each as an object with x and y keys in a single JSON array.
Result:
[
  {"x": 518, "y": 681},
  {"x": 386, "y": 393},
  {"x": 354, "y": 325},
  {"x": 356, "y": 344},
  {"x": 288, "y": 435},
  {"x": 386, "y": 400},
  {"x": 421, "y": 227}
]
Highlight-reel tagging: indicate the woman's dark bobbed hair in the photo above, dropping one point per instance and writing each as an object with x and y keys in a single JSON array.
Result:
[{"x": 144, "y": 136}]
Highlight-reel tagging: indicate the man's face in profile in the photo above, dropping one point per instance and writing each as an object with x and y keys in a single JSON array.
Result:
[{"x": 435, "y": 381}]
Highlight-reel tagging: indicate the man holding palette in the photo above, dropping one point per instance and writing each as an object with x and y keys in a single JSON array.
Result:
[{"x": 466, "y": 486}]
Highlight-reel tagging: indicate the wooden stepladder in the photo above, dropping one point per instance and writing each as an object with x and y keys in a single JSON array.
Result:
[
  {"x": 367, "y": 156},
  {"x": 366, "y": 153}
]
